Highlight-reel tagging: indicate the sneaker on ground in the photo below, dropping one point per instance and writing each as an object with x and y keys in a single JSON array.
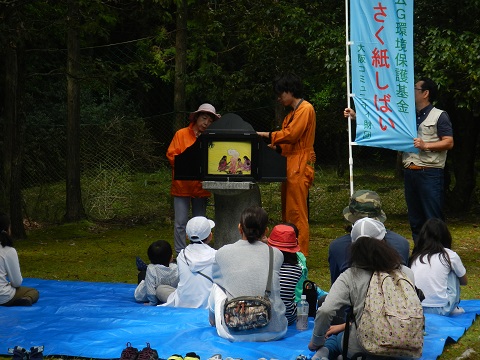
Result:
[
  {"x": 457, "y": 311},
  {"x": 215, "y": 357},
  {"x": 141, "y": 265},
  {"x": 147, "y": 353},
  {"x": 19, "y": 353},
  {"x": 129, "y": 353},
  {"x": 36, "y": 353},
  {"x": 191, "y": 356},
  {"x": 175, "y": 357}
]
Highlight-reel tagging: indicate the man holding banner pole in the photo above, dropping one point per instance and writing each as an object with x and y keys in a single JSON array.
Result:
[
  {"x": 424, "y": 177},
  {"x": 424, "y": 170}
]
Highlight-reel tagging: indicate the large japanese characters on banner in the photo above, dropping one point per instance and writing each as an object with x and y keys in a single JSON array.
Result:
[{"x": 381, "y": 35}]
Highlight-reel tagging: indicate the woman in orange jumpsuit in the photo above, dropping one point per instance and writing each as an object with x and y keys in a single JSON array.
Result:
[
  {"x": 295, "y": 142},
  {"x": 188, "y": 193}
]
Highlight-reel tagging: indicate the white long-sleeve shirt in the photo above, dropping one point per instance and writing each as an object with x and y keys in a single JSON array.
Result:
[
  {"x": 10, "y": 274},
  {"x": 193, "y": 288}
]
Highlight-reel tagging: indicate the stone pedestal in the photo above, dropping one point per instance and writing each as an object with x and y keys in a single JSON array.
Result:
[{"x": 231, "y": 198}]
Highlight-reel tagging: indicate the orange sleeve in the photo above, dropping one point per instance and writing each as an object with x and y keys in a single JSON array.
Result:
[
  {"x": 293, "y": 130},
  {"x": 174, "y": 148},
  {"x": 182, "y": 139}
]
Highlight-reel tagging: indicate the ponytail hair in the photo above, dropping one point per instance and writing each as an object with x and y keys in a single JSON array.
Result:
[
  {"x": 5, "y": 239},
  {"x": 254, "y": 222}
]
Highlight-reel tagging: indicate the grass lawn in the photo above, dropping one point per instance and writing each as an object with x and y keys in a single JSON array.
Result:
[{"x": 105, "y": 251}]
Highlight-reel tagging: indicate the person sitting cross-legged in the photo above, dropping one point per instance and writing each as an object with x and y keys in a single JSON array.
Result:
[{"x": 12, "y": 293}]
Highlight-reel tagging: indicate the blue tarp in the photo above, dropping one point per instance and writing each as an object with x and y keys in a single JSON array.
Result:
[{"x": 96, "y": 320}]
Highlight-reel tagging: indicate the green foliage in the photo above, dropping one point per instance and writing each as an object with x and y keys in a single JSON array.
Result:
[
  {"x": 455, "y": 64},
  {"x": 448, "y": 53},
  {"x": 97, "y": 19},
  {"x": 109, "y": 194},
  {"x": 234, "y": 51},
  {"x": 44, "y": 203},
  {"x": 120, "y": 136},
  {"x": 162, "y": 55},
  {"x": 106, "y": 193},
  {"x": 100, "y": 107},
  {"x": 124, "y": 143}
]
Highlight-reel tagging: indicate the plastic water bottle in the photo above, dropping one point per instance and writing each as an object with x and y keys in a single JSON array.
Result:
[{"x": 302, "y": 314}]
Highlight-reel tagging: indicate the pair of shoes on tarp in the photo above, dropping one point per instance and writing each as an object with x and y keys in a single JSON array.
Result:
[
  {"x": 219, "y": 357},
  {"x": 131, "y": 353},
  {"x": 188, "y": 356},
  {"x": 19, "y": 353}
]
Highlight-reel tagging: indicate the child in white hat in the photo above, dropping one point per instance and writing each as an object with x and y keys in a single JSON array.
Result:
[{"x": 195, "y": 266}]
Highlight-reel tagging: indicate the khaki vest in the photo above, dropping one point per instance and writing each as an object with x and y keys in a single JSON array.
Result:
[{"x": 427, "y": 131}]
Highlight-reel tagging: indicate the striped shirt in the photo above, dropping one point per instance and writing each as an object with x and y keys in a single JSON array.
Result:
[{"x": 289, "y": 276}]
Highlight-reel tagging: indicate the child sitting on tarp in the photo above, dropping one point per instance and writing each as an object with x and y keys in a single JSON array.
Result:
[
  {"x": 160, "y": 272},
  {"x": 438, "y": 269},
  {"x": 242, "y": 269},
  {"x": 284, "y": 239},
  {"x": 314, "y": 293},
  {"x": 194, "y": 266},
  {"x": 11, "y": 291}
]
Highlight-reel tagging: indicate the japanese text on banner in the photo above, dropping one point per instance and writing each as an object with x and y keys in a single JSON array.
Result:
[{"x": 382, "y": 73}]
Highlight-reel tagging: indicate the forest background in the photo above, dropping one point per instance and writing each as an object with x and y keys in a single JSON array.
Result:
[{"x": 92, "y": 92}]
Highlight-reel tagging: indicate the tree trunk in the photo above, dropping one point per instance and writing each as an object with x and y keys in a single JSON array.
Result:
[
  {"x": 74, "y": 206},
  {"x": 466, "y": 130},
  {"x": 14, "y": 130},
  {"x": 180, "y": 65}
]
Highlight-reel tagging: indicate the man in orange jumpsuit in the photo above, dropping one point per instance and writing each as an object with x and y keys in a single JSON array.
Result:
[
  {"x": 188, "y": 192},
  {"x": 295, "y": 142}
]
